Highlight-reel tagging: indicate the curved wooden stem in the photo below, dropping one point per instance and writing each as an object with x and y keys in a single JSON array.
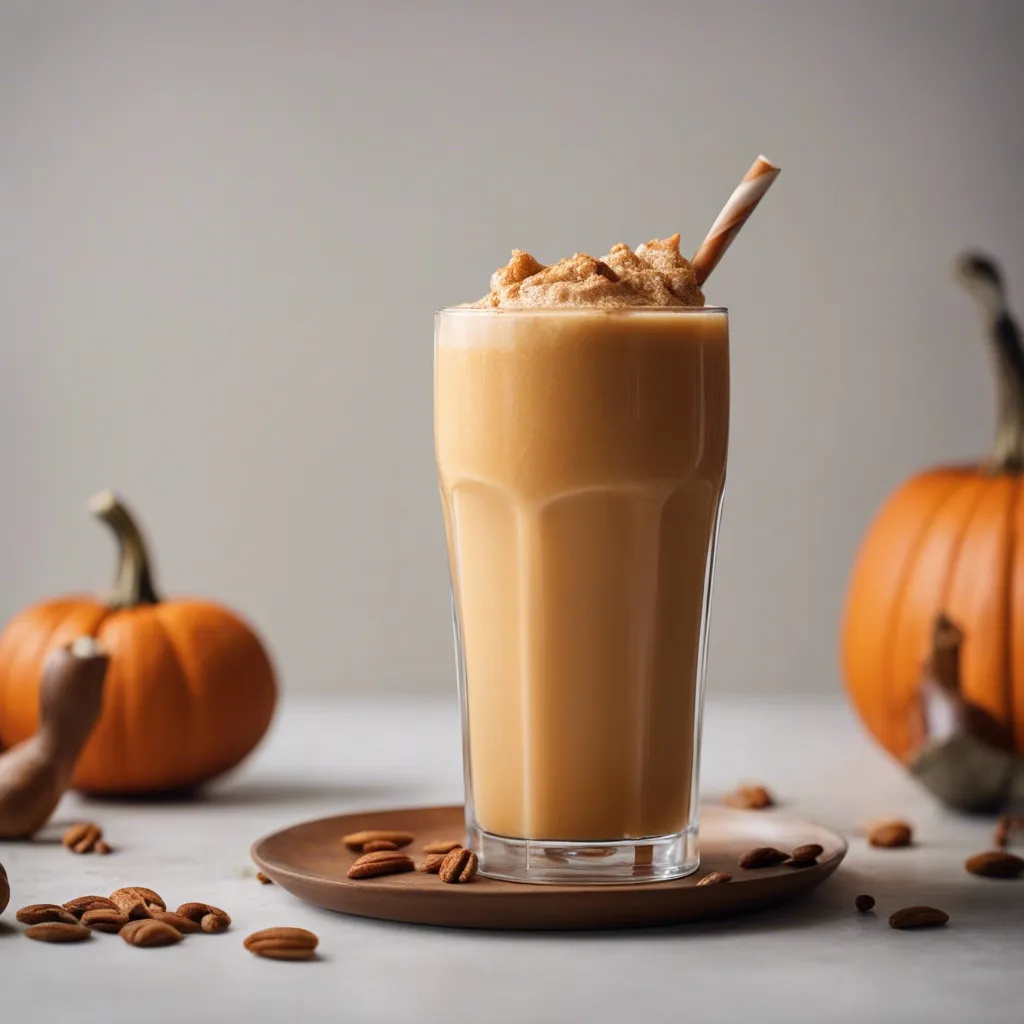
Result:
[
  {"x": 982, "y": 278},
  {"x": 945, "y": 656},
  {"x": 134, "y": 583},
  {"x": 36, "y": 772}
]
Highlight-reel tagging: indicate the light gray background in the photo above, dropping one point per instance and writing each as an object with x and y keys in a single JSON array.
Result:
[{"x": 224, "y": 227}]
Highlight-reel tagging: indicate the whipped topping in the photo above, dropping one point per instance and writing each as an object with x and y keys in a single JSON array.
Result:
[{"x": 656, "y": 274}]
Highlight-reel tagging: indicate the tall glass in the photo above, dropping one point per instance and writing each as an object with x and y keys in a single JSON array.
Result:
[{"x": 581, "y": 456}]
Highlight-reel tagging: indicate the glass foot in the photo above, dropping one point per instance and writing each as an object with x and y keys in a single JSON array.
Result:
[{"x": 553, "y": 862}]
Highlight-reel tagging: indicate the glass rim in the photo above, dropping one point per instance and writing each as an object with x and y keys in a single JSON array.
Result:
[{"x": 567, "y": 310}]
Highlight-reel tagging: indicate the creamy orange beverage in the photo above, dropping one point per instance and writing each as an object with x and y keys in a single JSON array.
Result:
[{"x": 581, "y": 429}]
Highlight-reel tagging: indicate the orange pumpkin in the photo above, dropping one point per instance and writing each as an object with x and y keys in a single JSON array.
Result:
[
  {"x": 190, "y": 690},
  {"x": 949, "y": 542}
]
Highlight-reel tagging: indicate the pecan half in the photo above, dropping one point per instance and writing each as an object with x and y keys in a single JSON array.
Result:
[
  {"x": 137, "y": 901},
  {"x": 715, "y": 878},
  {"x": 749, "y": 798},
  {"x": 384, "y": 862},
  {"x": 83, "y": 837},
  {"x": 210, "y": 918},
  {"x": 147, "y": 933},
  {"x": 864, "y": 903},
  {"x": 442, "y": 846},
  {"x": 890, "y": 834},
  {"x": 282, "y": 943},
  {"x": 185, "y": 925},
  {"x": 431, "y": 864},
  {"x": 357, "y": 840},
  {"x": 58, "y": 931},
  {"x": 40, "y": 913},
  {"x": 918, "y": 917},
  {"x": 804, "y": 856},
  {"x": 762, "y": 857},
  {"x": 264, "y": 879},
  {"x": 459, "y": 865},
  {"x": 81, "y": 904},
  {"x": 995, "y": 864},
  {"x": 109, "y": 921}
]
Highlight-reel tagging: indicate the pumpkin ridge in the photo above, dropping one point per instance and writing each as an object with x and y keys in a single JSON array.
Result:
[
  {"x": 1008, "y": 613},
  {"x": 887, "y": 687},
  {"x": 195, "y": 742},
  {"x": 1016, "y": 639},
  {"x": 957, "y": 547},
  {"x": 113, "y": 717},
  {"x": 960, "y": 596},
  {"x": 219, "y": 751},
  {"x": 183, "y": 683}
]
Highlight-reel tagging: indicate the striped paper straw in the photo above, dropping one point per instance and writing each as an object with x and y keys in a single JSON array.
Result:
[{"x": 734, "y": 215}]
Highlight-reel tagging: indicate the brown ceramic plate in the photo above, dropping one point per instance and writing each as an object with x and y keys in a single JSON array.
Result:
[{"x": 309, "y": 861}]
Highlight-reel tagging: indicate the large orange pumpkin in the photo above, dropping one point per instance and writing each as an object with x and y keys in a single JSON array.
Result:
[
  {"x": 949, "y": 542},
  {"x": 190, "y": 690}
]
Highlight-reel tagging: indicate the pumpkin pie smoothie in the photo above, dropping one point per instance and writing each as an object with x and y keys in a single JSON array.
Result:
[{"x": 581, "y": 428}]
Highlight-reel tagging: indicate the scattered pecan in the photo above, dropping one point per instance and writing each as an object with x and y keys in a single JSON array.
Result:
[
  {"x": 918, "y": 917},
  {"x": 864, "y": 903},
  {"x": 890, "y": 834},
  {"x": 459, "y": 865},
  {"x": 263, "y": 879},
  {"x": 431, "y": 864},
  {"x": 210, "y": 918},
  {"x": 57, "y": 931},
  {"x": 185, "y": 925},
  {"x": 282, "y": 943},
  {"x": 104, "y": 920},
  {"x": 137, "y": 901},
  {"x": 45, "y": 913},
  {"x": 83, "y": 837},
  {"x": 81, "y": 904},
  {"x": 148, "y": 933},
  {"x": 995, "y": 864},
  {"x": 102, "y": 848},
  {"x": 749, "y": 798}
]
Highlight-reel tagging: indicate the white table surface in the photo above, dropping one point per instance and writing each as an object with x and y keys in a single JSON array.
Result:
[{"x": 815, "y": 960}]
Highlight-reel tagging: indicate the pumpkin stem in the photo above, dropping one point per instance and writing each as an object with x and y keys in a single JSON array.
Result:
[
  {"x": 982, "y": 278},
  {"x": 134, "y": 583}
]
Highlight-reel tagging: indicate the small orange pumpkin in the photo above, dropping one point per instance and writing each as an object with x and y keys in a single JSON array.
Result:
[
  {"x": 949, "y": 543},
  {"x": 190, "y": 690}
]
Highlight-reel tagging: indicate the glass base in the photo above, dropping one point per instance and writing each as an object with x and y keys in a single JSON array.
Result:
[{"x": 553, "y": 862}]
